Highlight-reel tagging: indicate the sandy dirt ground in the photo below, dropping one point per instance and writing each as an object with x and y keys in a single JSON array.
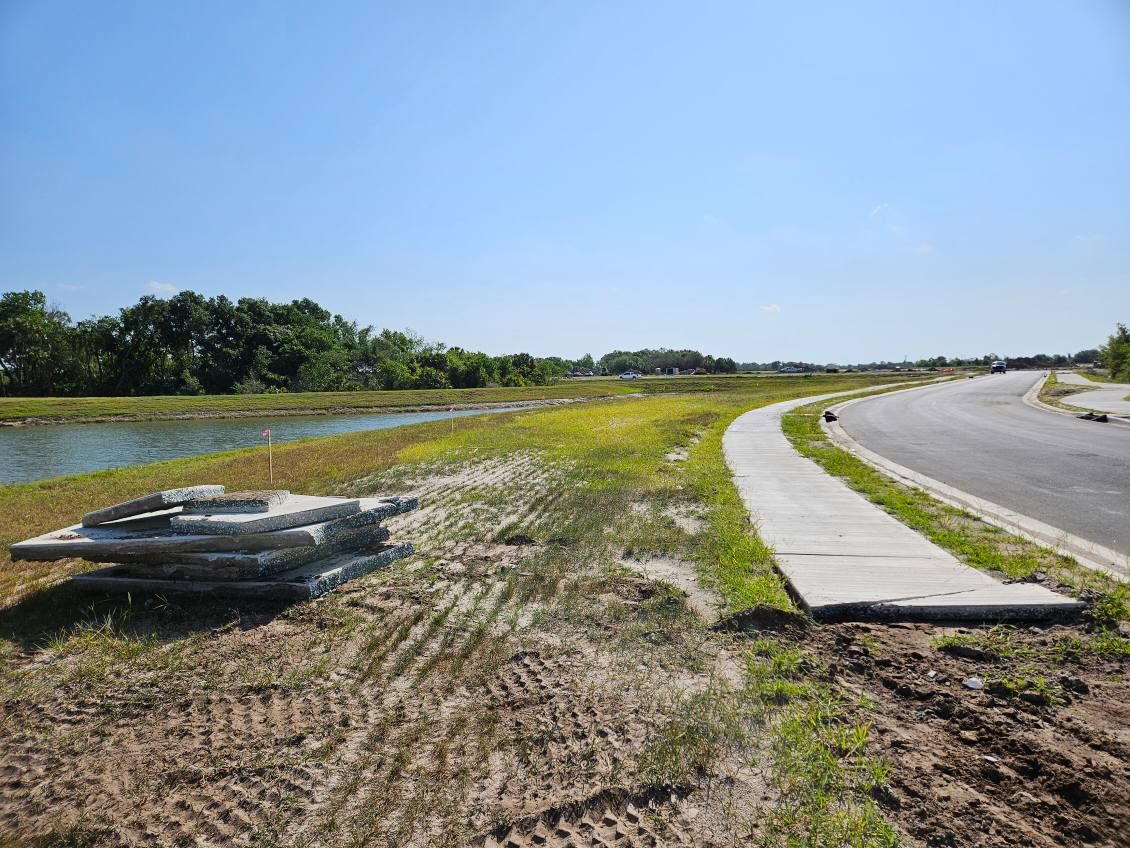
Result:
[
  {"x": 505, "y": 688},
  {"x": 418, "y": 707}
]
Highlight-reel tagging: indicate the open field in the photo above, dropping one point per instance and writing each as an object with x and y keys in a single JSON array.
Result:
[
  {"x": 77, "y": 409},
  {"x": 591, "y": 644}
]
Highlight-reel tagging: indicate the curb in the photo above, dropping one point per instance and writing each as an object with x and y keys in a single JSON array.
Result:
[
  {"x": 1032, "y": 398},
  {"x": 1088, "y": 554}
]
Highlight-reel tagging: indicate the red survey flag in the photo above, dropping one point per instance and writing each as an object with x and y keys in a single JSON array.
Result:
[{"x": 267, "y": 433}]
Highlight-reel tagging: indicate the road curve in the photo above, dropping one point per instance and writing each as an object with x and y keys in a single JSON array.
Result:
[{"x": 979, "y": 437}]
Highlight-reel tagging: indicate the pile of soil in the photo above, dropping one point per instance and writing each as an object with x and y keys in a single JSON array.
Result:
[{"x": 987, "y": 766}]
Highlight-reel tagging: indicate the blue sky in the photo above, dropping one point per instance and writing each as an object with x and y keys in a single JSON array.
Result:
[{"x": 826, "y": 181}]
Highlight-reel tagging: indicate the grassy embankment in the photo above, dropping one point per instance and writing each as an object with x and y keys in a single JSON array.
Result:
[
  {"x": 574, "y": 496},
  {"x": 289, "y": 403},
  {"x": 1025, "y": 668},
  {"x": 77, "y": 409},
  {"x": 1096, "y": 376}
]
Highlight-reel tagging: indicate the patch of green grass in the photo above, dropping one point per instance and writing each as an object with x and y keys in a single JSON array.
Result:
[
  {"x": 824, "y": 778},
  {"x": 1099, "y": 376},
  {"x": 731, "y": 557},
  {"x": 705, "y": 725}
]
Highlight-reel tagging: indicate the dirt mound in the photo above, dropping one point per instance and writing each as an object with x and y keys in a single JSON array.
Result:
[
  {"x": 989, "y": 766},
  {"x": 761, "y": 617}
]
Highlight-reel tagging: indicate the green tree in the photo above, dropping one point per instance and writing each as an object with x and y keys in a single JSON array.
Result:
[
  {"x": 33, "y": 344},
  {"x": 1115, "y": 354}
]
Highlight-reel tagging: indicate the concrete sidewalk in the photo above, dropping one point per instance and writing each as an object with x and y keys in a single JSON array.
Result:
[
  {"x": 846, "y": 558},
  {"x": 1108, "y": 397}
]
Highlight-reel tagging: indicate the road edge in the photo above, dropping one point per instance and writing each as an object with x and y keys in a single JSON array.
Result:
[{"x": 1088, "y": 554}]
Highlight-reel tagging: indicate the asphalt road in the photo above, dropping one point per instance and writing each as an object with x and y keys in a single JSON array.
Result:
[{"x": 979, "y": 436}]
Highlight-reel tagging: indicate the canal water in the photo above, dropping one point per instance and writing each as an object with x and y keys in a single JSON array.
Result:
[{"x": 39, "y": 452}]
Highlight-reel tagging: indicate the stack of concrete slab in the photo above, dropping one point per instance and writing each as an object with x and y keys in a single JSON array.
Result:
[{"x": 203, "y": 539}]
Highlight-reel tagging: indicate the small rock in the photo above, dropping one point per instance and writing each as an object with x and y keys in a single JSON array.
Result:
[
  {"x": 931, "y": 674},
  {"x": 989, "y": 758},
  {"x": 969, "y": 652},
  {"x": 968, "y": 736},
  {"x": 973, "y": 683},
  {"x": 1074, "y": 684},
  {"x": 1040, "y": 699}
]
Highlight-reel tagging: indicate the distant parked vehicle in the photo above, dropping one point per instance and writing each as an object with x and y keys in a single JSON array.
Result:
[
  {"x": 999, "y": 366},
  {"x": 630, "y": 375}
]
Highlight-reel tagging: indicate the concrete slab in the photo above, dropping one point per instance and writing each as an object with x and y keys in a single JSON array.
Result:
[
  {"x": 236, "y": 502},
  {"x": 150, "y": 534},
  {"x": 843, "y": 556},
  {"x": 304, "y": 582},
  {"x": 244, "y": 565},
  {"x": 149, "y": 503},
  {"x": 296, "y": 511}
]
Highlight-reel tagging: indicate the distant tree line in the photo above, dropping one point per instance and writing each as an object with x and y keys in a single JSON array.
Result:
[
  {"x": 189, "y": 344},
  {"x": 647, "y": 361},
  {"x": 1039, "y": 360}
]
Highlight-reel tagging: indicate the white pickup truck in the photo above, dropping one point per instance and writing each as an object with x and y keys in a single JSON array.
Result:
[{"x": 999, "y": 366}]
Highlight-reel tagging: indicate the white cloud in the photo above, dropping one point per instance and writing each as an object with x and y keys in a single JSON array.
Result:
[
  {"x": 160, "y": 288},
  {"x": 888, "y": 217},
  {"x": 771, "y": 307}
]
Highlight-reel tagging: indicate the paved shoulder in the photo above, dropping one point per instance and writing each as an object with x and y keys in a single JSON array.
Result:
[{"x": 846, "y": 557}]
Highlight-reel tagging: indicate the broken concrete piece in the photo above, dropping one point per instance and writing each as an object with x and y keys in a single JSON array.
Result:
[
  {"x": 150, "y": 503},
  {"x": 307, "y": 581},
  {"x": 236, "y": 502},
  {"x": 296, "y": 511},
  {"x": 240, "y": 565},
  {"x": 150, "y": 534}
]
